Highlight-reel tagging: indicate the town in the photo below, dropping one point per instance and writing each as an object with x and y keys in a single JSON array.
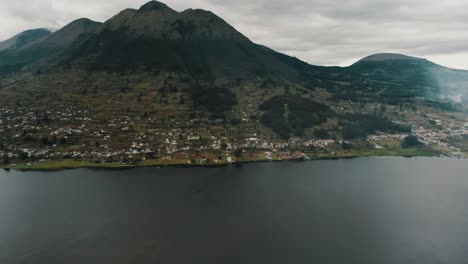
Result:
[{"x": 38, "y": 135}]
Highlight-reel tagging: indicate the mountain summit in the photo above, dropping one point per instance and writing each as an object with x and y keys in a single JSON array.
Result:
[
  {"x": 153, "y": 6},
  {"x": 195, "y": 42},
  {"x": 156, "y": 20},
  {"x": 389, "y": 57}
]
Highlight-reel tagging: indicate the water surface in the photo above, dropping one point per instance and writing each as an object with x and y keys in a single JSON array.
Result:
[{"x": 367, "y": 210}]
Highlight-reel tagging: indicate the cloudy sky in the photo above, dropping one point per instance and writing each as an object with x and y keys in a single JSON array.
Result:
[{"x": 321, "y": 32}]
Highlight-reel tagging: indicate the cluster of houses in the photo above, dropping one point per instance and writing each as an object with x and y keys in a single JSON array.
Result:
[
  {"x": 42, "y": 134},
  {"x": 294, "y": 155}
]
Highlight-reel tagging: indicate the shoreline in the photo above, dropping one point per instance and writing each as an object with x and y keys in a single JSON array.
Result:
[{"x": 61, "y": 165}]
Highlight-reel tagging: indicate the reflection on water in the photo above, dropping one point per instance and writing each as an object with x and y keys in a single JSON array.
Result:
[{"x": 370, "y": 210}]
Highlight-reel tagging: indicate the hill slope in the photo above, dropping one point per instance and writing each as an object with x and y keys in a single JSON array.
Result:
[{"x": 24, "y": 38}]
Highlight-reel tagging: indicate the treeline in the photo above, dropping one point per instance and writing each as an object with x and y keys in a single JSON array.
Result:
[{"x": 363, "y": 125}]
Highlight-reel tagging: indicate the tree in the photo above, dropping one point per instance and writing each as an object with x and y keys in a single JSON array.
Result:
[
  {"x": 62, "y": 141},
  {"x": 150, "y": 155},
  {"x": 52, "y": 140},
  {"x": 6, "y": 159},
  {"x": 346, "y": 146},
  {"x": 238, "y": 153},
  {"x": 321, "y": 133},
  {"x": 411, "y": 141},
  {"x": 23, "y": 155},
  {"x": 44, "y": 140}
]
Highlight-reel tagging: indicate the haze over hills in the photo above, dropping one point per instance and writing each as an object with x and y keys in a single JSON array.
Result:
[
  {"x": 185, "y": 82},
  {"x": 421, "y": 76}
]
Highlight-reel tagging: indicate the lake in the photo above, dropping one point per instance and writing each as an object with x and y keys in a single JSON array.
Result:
[{"x": 366, "y": 210}]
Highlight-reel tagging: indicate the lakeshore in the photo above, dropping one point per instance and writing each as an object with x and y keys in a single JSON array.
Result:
[{"x": 66, "y": 164}]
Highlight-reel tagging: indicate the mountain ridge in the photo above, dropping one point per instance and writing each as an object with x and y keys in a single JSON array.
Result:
[
  {"x": 157, "y": 22},
  {"x": 46, "y": 48},
  {"x": 196, "y": 42},
  {"x": 24, "y": 38},
  {"x": 388, "y": 56}
]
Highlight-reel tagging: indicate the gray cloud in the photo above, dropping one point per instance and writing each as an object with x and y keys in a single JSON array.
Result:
[{"x": 322, "y": 32}]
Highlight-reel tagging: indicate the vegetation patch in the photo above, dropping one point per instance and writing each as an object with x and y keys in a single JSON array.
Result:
[
  {"x": 362, "y": 125},
  {"x": 213, "y": 99},
  {"x": 293, "y": 114},
  {"x": 411, "y": 141}
]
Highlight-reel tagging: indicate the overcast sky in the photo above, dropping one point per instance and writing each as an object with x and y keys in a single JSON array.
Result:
[{"x": 321, "y": 32}]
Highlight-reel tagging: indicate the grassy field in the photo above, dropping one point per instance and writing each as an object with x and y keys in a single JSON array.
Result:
[
  {"x": 63, "y": 165},
  {"x": 409, "y": 152}
]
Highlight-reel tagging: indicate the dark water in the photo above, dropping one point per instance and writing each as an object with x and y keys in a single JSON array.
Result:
[{"x": 371, "y": 210}]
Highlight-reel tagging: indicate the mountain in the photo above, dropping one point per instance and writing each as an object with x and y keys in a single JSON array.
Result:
[
  {"x": 24, "y": 38},
  {"x": 201, "y": 45},
  {"x": 388, "y": 57},
  {"x": 411, "y": 76},
  {"x": 47, "y": 48},
  {"x": 195, "y": 42},
  {"x": 156, "y": 38}
]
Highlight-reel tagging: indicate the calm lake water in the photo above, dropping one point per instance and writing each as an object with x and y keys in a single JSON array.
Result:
[{"x": 368, "y": 210}]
